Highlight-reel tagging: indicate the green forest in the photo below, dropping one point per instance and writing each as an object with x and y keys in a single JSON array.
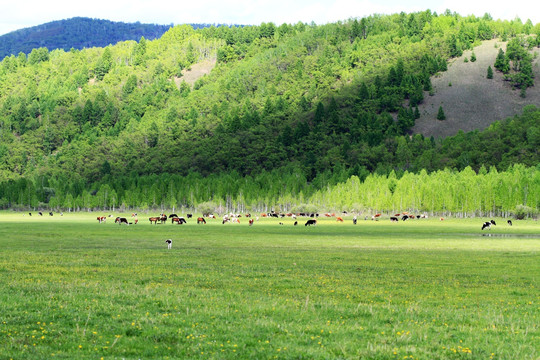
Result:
[{"x": 292, "y": 115}]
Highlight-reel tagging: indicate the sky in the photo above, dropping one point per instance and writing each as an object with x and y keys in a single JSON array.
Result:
[{"x": 26, "y": 13}]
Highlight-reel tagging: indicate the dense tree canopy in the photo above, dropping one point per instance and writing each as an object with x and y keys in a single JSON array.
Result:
[{"x": 322, "y": 103}]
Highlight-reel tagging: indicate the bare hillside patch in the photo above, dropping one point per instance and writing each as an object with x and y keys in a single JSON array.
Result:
[
  {"x": 196, "y": 71},
  {"x": 473, "y": 101}
]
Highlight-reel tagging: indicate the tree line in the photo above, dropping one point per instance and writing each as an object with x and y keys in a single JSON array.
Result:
[{"x": 461, "y": 193}]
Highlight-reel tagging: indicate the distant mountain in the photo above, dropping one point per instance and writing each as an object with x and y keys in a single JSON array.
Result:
[{"x": 78, "y": 33}]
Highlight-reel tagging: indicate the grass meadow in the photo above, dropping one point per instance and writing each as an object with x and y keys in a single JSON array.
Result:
[{"x": 71, "y": 288}]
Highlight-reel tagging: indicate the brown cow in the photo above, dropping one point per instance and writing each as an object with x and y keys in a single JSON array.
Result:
[
  {"x": 178, "y": 220},
  {"x": 154, "y": 220},
  {"x": 201, "y": 220}
]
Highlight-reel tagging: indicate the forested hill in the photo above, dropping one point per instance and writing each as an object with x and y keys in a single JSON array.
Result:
[
  {"x": 319, "y": 101},
  {"x": 77, "y": 33}
]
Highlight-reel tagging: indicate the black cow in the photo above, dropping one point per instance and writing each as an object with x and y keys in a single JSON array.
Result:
[
  {"x": 40, "y": 213},
  {"x": 405, "y": 217},
  {"x": 393, "y": 218},
  {"x": 189, "y": 216},
  {"x": 51, "y": 213},
  {"x": 121, "y": 220},
  {"x": 486, "y": 225},
  {"x": 295, "y": 223},
  {"x": 173, "y": 216},
  {"x": 509, "y": 222},
  {"x": 30, "y": 213},
  {"x": 311, "y": 222},
  {"x": 492, "y": 222}
]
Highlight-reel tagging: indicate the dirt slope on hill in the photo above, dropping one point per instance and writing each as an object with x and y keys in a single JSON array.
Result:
[
  {"x": 473, "y": 101},
  {"x": 196, "y": 71}
]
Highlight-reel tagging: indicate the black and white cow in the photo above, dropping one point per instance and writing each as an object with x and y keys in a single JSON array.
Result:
[
  {"x": 509, "y": 222},
  {"x": 486, "y": 225},
  {"x": 121, "y": 220},
  {"x": 169, "y": 243}
]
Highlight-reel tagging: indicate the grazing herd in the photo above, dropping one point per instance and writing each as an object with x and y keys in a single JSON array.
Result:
[
  {"x": 227, "y": 219},
  {"x": 235, "y": 218}
]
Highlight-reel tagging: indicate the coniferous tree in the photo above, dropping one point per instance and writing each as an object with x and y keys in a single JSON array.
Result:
[
  {"x": 319, "y": 113},
  {"x": 356, "y": 31},
  {"x": 499, "y": 61},
  {"x": 364, "y": 92},
  {"x": 416, "y": 113},
  {"x": 440, "y": 114},
  {"x": 489, "y": 73}
]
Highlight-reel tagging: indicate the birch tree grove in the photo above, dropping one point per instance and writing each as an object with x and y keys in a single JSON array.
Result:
[{"x": 460, "y": 193}]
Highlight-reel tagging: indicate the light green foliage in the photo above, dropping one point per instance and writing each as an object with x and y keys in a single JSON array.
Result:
[
  {"x": 468, "y": 193},
  {"x": 38, "y": 56},
  {"x": 522, "y": 212}
]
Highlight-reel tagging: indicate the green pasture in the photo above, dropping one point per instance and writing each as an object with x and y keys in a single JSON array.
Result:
[{"x": 71, "y": 288}]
